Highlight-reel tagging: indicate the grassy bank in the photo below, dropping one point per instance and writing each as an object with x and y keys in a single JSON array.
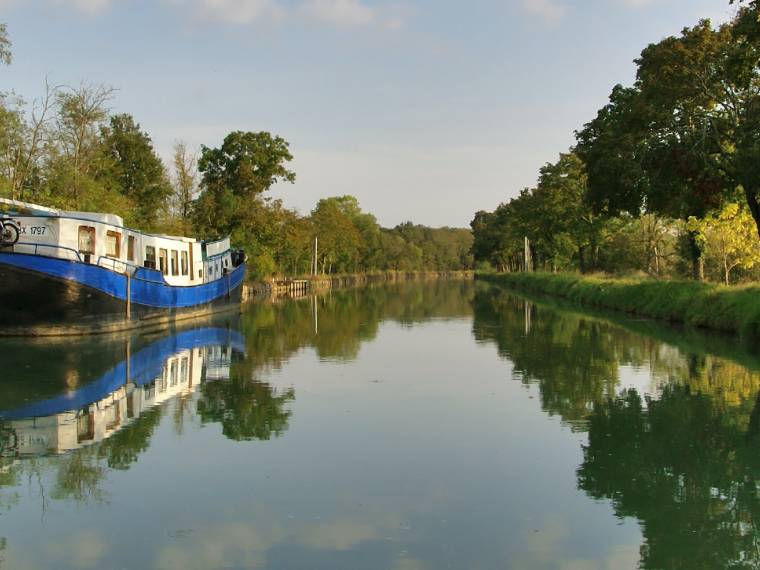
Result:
[{"x": 729, "y": 309}]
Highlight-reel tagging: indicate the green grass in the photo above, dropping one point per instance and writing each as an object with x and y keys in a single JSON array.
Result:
[{"x": 733, "y": 309}]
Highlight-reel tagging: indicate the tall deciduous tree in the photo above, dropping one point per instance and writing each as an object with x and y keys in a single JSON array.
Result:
[
  {"x": 75, "y": 151},
  {"x": 727, "y": 236},
  {"x": 684, "y": 139},
  {"x": 22, "y": 141},
  {"x": 666, "y": 145},
  {"x": 184, "y": 181},
  {"x": 235, "y": 175},
  {"x": 339, "y": 239},
  {"x": 137, "y": 170}
]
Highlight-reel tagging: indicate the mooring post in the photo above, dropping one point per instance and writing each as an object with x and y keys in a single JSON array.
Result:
[{"x": 129, "y": 296}]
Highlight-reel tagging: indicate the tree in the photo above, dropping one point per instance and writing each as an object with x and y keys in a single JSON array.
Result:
[
  {"x": 611, "y": 147},
  {"x": 5, "y": 45},
  {"x": 22, "y": 141},
  {"x": 728, "y": 236},
  {"x": 562, "y": 228},
  {"x": 294, "y": 254},
  {"x": 564, "y": 216},
  {"x": 184, "y": 181},
  {"x": 137, "y": 170},
  {"x": 665, "y": 145},
  {"x": 233, "y": 179},
  {"x": 247, "y": 164},
  {"x": 684, "y": 140},
  {"x": 339, "y": 239},
  {"x": 74, "y": 153}
]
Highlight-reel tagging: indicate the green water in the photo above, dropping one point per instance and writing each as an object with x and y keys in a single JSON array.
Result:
[{"x": 421, "y": 426}]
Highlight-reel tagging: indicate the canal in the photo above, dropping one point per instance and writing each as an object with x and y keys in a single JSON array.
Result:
[{"x": 404, "y": 427}]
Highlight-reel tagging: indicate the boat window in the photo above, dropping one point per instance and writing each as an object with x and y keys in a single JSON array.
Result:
[
  {"x": 163, "y": 261},
  {"x": 113, "y": 244},
  {"x": 184, "y": 263},
  {"x": 175, "y": 262},
  {"x": 130, "y": 248},
  {"x": 86, "y": 240},
  {"x": 85, "y": 427},
  {"x": 150, "y": 257}
]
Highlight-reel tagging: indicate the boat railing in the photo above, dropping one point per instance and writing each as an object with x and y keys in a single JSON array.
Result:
[
  {"x": 116, "y": 265},
  {"x": 47, "y": 250},
  {"x": 137, "y": 272}
]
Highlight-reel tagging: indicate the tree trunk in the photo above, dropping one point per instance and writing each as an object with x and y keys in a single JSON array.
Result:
[
  {"x": 725, "y": 270},
  {"x": 754, "y": 419},
  {"x": 751, "y": 194},
  {"x": 656, "y": 261},
  {"x": 697, "y": 261}
]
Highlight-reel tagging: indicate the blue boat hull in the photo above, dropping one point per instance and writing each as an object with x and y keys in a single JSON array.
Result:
[{"x": 43, "y": 295}]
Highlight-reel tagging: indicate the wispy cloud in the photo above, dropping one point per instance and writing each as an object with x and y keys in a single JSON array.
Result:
[
  {"x": 339, "y": 12},
  {"x": 551, "y": 11},
  {"x": 234, "y": 11},
  {"x": 90, "y": 7},
  {"x": 636, "y": 3}
]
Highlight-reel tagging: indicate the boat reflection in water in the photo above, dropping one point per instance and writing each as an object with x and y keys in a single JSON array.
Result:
[{"x": 171, "y": 367}]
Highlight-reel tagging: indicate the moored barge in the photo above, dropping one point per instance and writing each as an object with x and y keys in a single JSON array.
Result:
[{"x": 67, "y": 272}]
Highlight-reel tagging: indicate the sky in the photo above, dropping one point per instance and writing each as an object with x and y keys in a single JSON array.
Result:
[{"x": 425, "y": 110}]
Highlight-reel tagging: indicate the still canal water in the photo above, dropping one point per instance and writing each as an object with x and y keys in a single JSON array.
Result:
[{"x": 420, "y": 426}]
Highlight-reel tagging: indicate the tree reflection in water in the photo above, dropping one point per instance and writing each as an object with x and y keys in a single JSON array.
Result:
[
  {"x": 232, "y": 390},
  {"x": 684, "y": 459},
  {"x": 335, "y": 325},
  {"x": 687, "y": 468},
  {"x": 247, "y": 409}
]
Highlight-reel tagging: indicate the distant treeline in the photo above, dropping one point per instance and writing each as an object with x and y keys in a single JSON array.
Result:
[
  {"x": 665, "y": 179},
  {"x": 66, "y": 150}
]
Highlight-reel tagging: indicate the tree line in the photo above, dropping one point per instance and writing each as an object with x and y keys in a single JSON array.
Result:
[
  {"x": 664, "y": 180},
  {"x": 67, "y": 150}
]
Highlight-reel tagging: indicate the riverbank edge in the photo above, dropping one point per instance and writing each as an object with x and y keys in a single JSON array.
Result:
[
  {"x": 296, "y": 287},
  {"x": 733, "y": 309}
]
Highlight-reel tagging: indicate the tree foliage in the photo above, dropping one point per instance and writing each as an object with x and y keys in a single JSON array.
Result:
[
  {"x": 728, "y": 236},
  {"x": 655, "y": 178},
  {"x": 136, "y": 168},
  {"x": 5, "y": 45}
]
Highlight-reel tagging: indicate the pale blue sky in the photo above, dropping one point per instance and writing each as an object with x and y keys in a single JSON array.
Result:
[{"x": 425, "y": 110}]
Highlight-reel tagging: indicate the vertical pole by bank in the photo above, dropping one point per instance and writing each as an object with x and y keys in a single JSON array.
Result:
[
  {"x": 129, "y": 296},
  {"x": 314, "y": 257}
]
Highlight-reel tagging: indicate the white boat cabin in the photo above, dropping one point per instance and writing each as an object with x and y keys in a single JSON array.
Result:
[
  {"x": 181, "y": 374},
  {"x": 102, "y": 239}
]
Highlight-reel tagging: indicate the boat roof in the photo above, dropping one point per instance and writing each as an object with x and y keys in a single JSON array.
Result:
[
  {"x": 19, "y": 208},
  {"x": 27, "y": 208}
]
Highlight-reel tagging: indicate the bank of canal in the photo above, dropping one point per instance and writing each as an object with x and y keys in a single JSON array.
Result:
[
  {"x": 732, "y": 309},
  {"x": 421, "y": 425}
]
